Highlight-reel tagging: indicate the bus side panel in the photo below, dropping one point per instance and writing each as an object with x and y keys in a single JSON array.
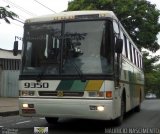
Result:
[{"x": 132, "y": 81}]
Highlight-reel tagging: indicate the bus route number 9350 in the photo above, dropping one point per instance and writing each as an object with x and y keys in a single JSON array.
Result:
[{"x": 36, "y": 85}]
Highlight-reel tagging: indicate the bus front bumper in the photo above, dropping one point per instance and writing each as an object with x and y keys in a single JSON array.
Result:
[{"x": 72, "y": 108}]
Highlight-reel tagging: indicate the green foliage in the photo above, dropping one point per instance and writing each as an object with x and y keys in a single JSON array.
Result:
[
  {"x": 152, "y": 73},
  {"x": 157, "y": 68},
  {"x": 5, "y": 14},
  {"x": 152, "y": 82},
  {"x": 149, "y": 62},
  {"x": 139, "y": 17}
]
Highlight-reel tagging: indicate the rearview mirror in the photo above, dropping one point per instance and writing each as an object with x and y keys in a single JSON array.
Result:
[
  {"x": 15, "y": 48},
  {"x": 119, "y": 46}
]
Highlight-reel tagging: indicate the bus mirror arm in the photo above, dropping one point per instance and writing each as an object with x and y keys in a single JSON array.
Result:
[
  {"x": 118, "y": 70},
  {"x": 118, "y": 50},
  {"x": 15, "y": 48},
  {"x": 119, "y": 46}
]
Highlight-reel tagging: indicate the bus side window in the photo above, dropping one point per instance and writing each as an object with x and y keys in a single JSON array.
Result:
[
  {"x": 125, "y": 44},
  {"x": 131, "y": 52},
  {"x": 141, "y": 62},
  {"x": 134, "y": 51},
  {"x": 138, "y": 59},
  {"x": 115, "y": 27},
  {"x": 122, "y": 37},
  {"x": 128, "y": 50}
]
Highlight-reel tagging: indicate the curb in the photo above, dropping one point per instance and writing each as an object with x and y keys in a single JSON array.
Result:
[{"x": 9, "y": 113}]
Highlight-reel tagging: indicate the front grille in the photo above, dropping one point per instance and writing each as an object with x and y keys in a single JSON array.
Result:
[{"x": 55, "y": 93}]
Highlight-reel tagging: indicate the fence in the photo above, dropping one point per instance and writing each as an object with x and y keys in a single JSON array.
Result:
[{"x": 9, "y": 83}]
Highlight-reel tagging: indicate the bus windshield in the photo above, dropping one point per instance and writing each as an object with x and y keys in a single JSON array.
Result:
[{"x": 67, "y": 48}]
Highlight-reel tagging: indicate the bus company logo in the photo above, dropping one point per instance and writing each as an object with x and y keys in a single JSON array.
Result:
[
  {"x": 40, "y": 130},
  {"x": 60, "y": 93}
]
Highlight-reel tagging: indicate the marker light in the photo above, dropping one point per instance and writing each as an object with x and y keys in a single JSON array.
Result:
[{"x": 100, "y": 108}]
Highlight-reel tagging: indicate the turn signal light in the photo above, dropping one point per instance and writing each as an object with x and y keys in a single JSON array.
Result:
[{"x": 109, "y": 94}]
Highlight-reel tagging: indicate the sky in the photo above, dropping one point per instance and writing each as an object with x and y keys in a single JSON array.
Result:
[
  {"x": 31, "y": 8},
  {"x": 25, "y": 9}
]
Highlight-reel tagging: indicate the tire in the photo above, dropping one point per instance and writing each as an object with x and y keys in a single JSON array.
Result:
[
  {"x": 137, "y": 108},
  {"x": 118, "y": 121},
  {"x": 51, "y": 120}
]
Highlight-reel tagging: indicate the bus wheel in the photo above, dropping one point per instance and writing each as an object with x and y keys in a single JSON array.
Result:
[
  {"x": 51, "y": 120},
  {"x": 137, "y": 108},
  {"x": 118, "y": 121}
]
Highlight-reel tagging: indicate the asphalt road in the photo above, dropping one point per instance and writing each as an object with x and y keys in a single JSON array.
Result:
[{"x": 149, "y": 117}]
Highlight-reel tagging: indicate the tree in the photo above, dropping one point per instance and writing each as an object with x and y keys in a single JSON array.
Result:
[
  {"x": 139, "y": 18},
  {"x": 152, "y": 80},
  {"x": 6, "y": 15},
  {"x": 152, "y": 73},
  {"x": 149, "y": 62}
]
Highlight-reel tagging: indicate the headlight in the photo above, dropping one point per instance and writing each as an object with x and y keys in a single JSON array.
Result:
[
  {"x": 25, "y": 105},
  {"x": 96, "y": 108},
  {"x": 100, "y": 108},
  {"x": 27, "y": 93}
]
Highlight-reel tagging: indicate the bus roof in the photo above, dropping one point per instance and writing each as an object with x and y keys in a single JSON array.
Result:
[{"x": 71, "y": 15}]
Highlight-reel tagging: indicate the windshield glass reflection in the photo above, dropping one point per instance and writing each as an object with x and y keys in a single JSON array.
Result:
[{"x": 83, "y": 48}]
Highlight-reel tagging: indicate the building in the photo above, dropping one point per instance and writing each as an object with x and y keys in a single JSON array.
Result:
[{"x": 9, "y": 72}]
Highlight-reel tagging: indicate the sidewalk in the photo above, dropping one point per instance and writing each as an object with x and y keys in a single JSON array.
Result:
[{"x": 9, "y": 106}]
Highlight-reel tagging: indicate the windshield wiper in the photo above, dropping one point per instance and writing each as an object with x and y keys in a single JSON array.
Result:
[
  {"x": 46, "y": 65},
  {"x": 82, "y": 77}
]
